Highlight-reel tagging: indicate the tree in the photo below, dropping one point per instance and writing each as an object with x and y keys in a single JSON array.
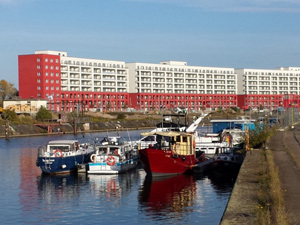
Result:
[
  {"x": 7, "y": 90},
  {"x": 9, "y": 115},
  {"x": 43, "y": 114}
]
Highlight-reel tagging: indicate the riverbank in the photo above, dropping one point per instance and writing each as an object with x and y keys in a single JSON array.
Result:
[
  {"x": 267, "y": 187},
  {"x": 241, "y": 207},
  {"x": 24, "y": 130}
]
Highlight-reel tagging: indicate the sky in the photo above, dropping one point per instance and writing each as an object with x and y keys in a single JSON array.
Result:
[{"x": 262, "y": 34}]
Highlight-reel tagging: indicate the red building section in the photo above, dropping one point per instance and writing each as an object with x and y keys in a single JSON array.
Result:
[
  {"x": 153, "y": 101},
  {"x": 260, "y": 101},
  {"x": 39, "y": 77},
  {"x": 103, "y": 101}
]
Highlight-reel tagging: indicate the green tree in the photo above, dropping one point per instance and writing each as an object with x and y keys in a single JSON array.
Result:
[
  {"x": 43, "y": 114},
  {"x": 9, "y": 115}
]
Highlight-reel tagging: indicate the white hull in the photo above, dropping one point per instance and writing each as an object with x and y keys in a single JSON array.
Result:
[{"x": 104, "y": 168}]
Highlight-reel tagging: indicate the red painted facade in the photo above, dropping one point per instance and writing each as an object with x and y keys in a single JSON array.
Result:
[
  {"x": 103, "y": 101},
  {"x": 39, "y": 77},
  {"x": 257, "y": 101},
  {"x": 153, "y": 101}
]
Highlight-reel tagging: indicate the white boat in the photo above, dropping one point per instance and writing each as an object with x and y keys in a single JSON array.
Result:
[
  {"x": 234, "y": 137},
  {"x": 165, "y": 127},
  {"x": 113, "y": 156}
]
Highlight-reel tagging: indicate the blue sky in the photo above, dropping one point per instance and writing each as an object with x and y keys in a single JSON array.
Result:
[{"x": 262, "y": 34}]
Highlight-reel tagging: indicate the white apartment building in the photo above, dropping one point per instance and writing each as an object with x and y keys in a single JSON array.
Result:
[
  {"x": 278, "y": 81},
  {"x": 91, "y": 75},
  {"x": 178, "y": 77}
]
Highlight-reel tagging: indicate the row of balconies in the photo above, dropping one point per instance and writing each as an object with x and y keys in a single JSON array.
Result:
[
  {"x": 182, "y": 75},
  {"x": 90, "y": 64},
  {"x": 187, "y": 70}
]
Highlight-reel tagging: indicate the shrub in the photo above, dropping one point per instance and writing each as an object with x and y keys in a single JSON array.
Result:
[{"x": 43, "y": 114}]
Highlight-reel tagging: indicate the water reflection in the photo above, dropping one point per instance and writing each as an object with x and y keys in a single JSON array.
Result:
[
  {"x": 223, "y": 182},
  {"x": 167, "y": 197},
  {"x": 53, "y": 188},
  {"x": 112, "y": 187}
]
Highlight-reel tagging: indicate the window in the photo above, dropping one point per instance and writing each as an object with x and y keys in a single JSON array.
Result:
[
  {"x": 38, "y": 67},
  {"x": 56, "y": 60},
  {"x": 57, "y": 74},
  {"x": 47, "y": 80},
  {"x": 57, "y": 81},
  {"x": 39, "y": 87},
  {"x": 46, "y": 67},
  {"x": 38, "y": 59},
  {"x": 52, "y": 81},
  {"x": 39, "y": 74},
  {"x": 51, "y": 67},
  {"x": 46, "y": 73},
  {"x": 46, "y": 60},
  {"x": 39, "y": 80},
  {"x": 52, "y": 74},
  {"x": 47, "y": 88},
  {"x": 39, "y": 95},
  {"x": 51, "y": 60},
  {"x": 57, "y": 67}
]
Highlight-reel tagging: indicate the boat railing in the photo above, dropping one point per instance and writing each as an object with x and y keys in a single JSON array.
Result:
[{"x": 41, "y": 151}]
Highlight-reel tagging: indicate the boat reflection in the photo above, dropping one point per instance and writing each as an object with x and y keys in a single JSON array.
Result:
[
  {"x": 53, "y": 188},
  {"x": 168, "y": 197},
  {"x": 112, "y": 187},
  {"x": 223, "y": 182}
]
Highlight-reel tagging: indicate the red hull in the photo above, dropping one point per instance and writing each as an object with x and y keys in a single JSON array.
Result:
[{"x": 158, "y": 162}]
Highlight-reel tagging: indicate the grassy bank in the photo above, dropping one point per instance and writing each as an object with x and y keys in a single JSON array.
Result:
[{"x": 270, "y": 207}]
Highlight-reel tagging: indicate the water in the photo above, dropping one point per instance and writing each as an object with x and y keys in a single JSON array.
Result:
[{"x": 28, "y": 197}]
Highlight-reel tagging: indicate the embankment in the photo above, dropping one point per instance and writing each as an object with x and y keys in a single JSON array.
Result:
[
  {"x": 33, "y": 130},
  {"x": 243, "y": 200}
]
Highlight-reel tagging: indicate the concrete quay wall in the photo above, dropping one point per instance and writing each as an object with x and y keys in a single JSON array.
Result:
[{"x": 243, "y": 199}]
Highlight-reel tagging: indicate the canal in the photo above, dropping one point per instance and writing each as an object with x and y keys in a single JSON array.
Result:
[{"x": 28, "y": 197}]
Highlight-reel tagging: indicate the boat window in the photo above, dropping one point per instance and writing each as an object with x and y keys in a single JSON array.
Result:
[
  {"x": 149, "y": 138},
  {"x": 60, "y": 147},
  {"x": 102, "y": 150}
]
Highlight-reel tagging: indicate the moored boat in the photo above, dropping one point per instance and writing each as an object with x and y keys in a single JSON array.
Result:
[
  {"x": 227, "y": 159},
  {"x": 63, "y": 156},
  {"x": 174, "y": 153},
  {"x": 113, "y": 156}
]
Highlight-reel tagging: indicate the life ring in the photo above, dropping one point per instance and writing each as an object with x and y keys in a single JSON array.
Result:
[
  {"x": 58, "y": 153},
  {"x": 93, "y": 158},
  {"x": 110, "y": 161}
]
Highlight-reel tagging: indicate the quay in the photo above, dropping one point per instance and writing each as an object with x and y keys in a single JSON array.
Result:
[{"x": 243, "y": 203}]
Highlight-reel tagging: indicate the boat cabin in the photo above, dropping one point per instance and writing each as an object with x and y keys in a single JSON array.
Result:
[{"x": 179, "y": 142}]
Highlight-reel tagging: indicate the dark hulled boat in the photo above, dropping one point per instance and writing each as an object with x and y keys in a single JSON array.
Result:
[{"x": 63, "y": 156}]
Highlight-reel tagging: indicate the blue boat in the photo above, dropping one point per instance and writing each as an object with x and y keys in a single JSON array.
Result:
[{"x": 63, "y": 156}]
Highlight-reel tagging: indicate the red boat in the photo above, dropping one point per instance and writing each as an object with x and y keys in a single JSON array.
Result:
[{"x": 174, "y": 153}]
